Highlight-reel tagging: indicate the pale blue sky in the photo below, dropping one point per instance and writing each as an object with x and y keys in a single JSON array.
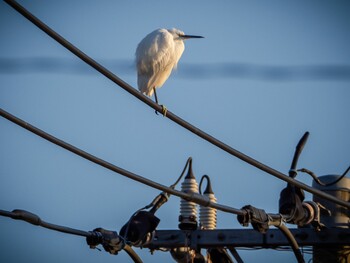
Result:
[{"x": 257, "y": 114}]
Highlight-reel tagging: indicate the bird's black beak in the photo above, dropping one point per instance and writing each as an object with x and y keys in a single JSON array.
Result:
[{"x": 190, "y": 36}]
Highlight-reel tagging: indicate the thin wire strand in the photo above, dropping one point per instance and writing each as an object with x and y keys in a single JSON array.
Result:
[
  {"x": 318, "y": 181},
  {"x": 169, "y": 114},
  {"x": 201, "y": 182},
  {"x": 182, "y": 173}
]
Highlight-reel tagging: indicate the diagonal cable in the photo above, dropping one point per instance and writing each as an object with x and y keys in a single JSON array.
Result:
[
  {"x": 169, "y": 114},
  {"x": 190, "y": 197}
]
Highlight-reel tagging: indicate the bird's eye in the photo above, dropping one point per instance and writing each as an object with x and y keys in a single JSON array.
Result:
[{"x": 179, "y": 36}]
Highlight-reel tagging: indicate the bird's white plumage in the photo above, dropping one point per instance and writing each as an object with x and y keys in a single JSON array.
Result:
[{"x": 156, "y": 56}]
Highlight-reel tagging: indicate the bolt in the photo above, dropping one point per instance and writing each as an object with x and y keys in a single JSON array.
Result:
[{"x": 221, "y": 236}]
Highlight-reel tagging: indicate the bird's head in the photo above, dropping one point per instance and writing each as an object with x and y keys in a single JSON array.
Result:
[{"x": 180, "y": 35}]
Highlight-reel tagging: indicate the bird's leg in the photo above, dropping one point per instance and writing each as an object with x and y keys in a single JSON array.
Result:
[
  {"x": 164, "y": 109},
  {"x": 155, "y": 95}
]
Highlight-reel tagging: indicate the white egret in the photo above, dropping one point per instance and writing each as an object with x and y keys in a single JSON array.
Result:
[{"x": 156, "y": 56}]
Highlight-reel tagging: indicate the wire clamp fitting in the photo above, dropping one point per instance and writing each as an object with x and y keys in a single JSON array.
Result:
[{"x": 258, "y": 218}]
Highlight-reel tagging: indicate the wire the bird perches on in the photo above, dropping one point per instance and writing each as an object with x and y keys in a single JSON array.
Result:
[{"x": 169, "y": 114}]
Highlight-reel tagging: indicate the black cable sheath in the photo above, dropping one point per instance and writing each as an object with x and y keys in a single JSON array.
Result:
[
  {"x": 299, "y": 148},
  {"x": 277, "y": 221},
  {"x": 169, "y": 114},
  {"x": 28, "y": 217},
  {"x": 128, "y": 249},
  {"x": 293, "y": 243}
]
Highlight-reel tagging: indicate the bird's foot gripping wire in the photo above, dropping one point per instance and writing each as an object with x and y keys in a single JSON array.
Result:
[{"x": 164, "y": 111}]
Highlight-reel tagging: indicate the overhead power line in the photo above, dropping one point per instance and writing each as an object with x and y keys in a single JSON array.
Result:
[
  {"x": 169, "y": 114},
  {"x": 190, "y": 197},
  {"x": 193, "y": 198},
  {"x": 37, "y": 221}
]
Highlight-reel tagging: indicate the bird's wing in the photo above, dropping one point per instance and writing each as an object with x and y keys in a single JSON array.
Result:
[{"x": 155, "y": 58}]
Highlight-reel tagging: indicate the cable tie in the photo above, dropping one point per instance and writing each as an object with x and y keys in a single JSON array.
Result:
[{"x": 164, "y": 110}]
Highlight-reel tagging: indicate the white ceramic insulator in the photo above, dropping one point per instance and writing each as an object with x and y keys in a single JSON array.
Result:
[
  {"x": 207, "y": 215},
  {"x": 187, "y": 208}
]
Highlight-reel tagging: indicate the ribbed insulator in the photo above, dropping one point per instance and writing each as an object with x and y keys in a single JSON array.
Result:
[
  {"x": 188, "y": 210},
  {"x": 207, "y": 215}
]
